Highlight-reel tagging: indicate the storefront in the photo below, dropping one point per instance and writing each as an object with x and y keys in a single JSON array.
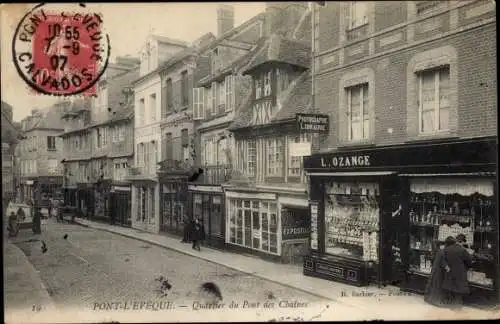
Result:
[
  {"x": 70, "y": 196},
  {"x": 121, "y": 204},
  {"x": 144, "y": 210},
  {"x": 102, "y": 199},
  {"x": 208, "y": 205},
  {"x": 379, "y": 214},
  {"x": 268, "y": 224},
  {"x": 85, "y": 199},
  {"x": 173, "y": 204}
]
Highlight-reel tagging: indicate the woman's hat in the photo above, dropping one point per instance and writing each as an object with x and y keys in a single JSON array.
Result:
[{"x": 461, "y": 238}]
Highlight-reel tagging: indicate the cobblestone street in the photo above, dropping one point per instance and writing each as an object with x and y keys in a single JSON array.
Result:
[{"x": 92, "y": 267}]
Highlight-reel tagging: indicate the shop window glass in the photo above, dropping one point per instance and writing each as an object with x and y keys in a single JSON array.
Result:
[
  {"x": 442, "y": 208},
  {"x": 206, "y": 213},
  {"x": 216, "y": 216},
  {"x": 197, "y": 208},
  {"x": 259, "y": 224},
  {"x": 352, "y": 220}
]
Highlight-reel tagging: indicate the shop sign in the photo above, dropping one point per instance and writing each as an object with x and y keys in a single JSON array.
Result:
[
  {"x": 346, "y": 161},
  {"x": 296, "y": 223},
  {"x": 313, "y": 123}
]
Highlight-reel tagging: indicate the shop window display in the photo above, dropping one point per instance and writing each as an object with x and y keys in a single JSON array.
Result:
[
  {"x": 254, "y": 224},
  {"x": 352, "y": 220},
  {"x": 442, "y": 208}
]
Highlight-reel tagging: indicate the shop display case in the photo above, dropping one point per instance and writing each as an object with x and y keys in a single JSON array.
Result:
[{"x": 434, "y": 216}]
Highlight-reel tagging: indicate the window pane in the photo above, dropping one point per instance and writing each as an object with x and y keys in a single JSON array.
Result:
[
  {"x": 428, "y": 121},
  {"x": 366, "y": 128},
  {"x": 444, "y": 118},
  {"x": 355, "y": 102},
  {"x": 246, "y": 204},
  {"x": 356, "y": 132},
  {"x": 255, "y": 220},
  {"x": 366, "y": 106}
]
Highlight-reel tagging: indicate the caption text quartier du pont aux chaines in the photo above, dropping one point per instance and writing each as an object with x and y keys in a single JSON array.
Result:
[{"x": 196, "y": 305}]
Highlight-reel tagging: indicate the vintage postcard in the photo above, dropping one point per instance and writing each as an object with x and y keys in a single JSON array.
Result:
[{"x": 234, "y": 162}]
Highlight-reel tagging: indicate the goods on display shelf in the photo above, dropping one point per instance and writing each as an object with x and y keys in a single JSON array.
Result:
[
  {"x": 479, "y": 278},
  {"x": 455, "y": 229}
]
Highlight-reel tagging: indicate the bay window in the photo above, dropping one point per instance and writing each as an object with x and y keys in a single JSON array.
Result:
[
  {"x": 254, "y": 224},
  {"x": 221, "y": 102},
  {"x": 275, "y": 157},
  {"x": 358, "y": 111},
  {"x": 229, "y": 93},
  {"x": 434, "y": 103},
  {"x": 295, "y": 158}
]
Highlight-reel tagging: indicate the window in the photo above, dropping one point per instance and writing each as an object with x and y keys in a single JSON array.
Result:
[
  {"x": 208, "y": 103},
  {"x": 254, "y": 224},
  {"x": 229, "y": 93},
  {"x": 357, "y": 14},
  {"x": 184, "y": 137},
  {"x": 170, "y": 95},
  {"x": 274, "y": 157},
  {"x": 267, "y": 84},
  {"x": 142, "y": 107},
  {"x": 352, "y": 220},
  {"x": 258, "y": 88},
  {"x": 104, "y": 136},
  {"x": 221, "y": 152},
  {"x": 51, "y": 143},
  {"x": 152, "y": 107},
  {"x": 222, "y": 97},
  {"x": 121, "y": 133},
  {"x": 251, "y": 155},
  {"x": 114, "y": 134},
  {"x": 426, "y": 6},
  {"x": 198, "y": 103},
  {"x": 358, "y": 112},
  {"x": 434, "y": 103},
  {"x": 282, "y": 80},
  {"x": 98, "y": 138},
  {"x": 186, "y": 154},
  {"x": 295, "y": 160},
  {"x": 53, "y": 165},
  {"x": 169, "y": 149},
  {"x": 184, "y": 88},
  {"x": 214, "y": 98},
  {"x": 210, "y": 153}
]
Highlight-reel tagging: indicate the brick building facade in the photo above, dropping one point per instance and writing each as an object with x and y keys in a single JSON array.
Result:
[{"x": 410, "y": 91}]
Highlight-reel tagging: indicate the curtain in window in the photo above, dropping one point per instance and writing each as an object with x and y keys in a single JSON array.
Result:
[
  {"x": 428, "y": 103},
  {"x": 444, "y": 99}
]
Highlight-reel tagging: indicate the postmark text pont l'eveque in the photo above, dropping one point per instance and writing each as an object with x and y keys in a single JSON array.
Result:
[{"x": 61, "y": 49}]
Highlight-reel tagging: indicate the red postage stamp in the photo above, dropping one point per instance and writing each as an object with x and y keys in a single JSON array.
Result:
[{"x": 61, "y": 52}]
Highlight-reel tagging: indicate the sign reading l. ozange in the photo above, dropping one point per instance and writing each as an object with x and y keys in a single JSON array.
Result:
[
  {"x": 312, "y": 123},
  {"x": 61, "y": 49}
]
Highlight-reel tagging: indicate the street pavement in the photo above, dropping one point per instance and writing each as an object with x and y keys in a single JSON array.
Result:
[{"x": 99, "y": 275}]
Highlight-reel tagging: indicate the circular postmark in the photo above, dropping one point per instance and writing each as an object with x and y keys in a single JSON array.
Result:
[{"x": 61, "y": 49}]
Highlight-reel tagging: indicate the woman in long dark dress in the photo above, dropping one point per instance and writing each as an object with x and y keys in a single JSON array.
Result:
[{"x": 434, "y": 293}]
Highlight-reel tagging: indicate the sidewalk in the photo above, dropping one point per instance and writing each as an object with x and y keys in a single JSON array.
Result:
[
  {"x": 25, "y": 296},
  {"x": 382, "y": 304}
]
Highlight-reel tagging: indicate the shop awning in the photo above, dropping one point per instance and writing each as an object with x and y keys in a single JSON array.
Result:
[
  {"x": 349, "y": 174},
  {"x": 467, "y": 174}
]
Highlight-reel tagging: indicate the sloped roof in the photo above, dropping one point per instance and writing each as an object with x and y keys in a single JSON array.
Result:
[
  {"x": 283, "y": 50},
  {"x": 235, "y": 66},
  {"x": 118, "y": 100},
  {"x": 51, "y": 119},
  {"x": 164, "y": 39}
]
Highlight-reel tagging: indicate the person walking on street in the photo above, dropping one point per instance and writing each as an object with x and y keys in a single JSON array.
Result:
[
  {"x": 196, "y": 234},
  {"x": 459, "y": 260},
  {"x": 188, "y": 228},
  {"x": 434, "y": 294}
]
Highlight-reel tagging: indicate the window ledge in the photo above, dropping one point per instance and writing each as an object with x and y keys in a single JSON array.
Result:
[
  {"x": 350, "y": 29},
  {"x": 430, "y": 137},
  {"x": 349, "y": 145}
]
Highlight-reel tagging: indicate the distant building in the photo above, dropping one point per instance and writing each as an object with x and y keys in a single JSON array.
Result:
[
  {"x": 98, "y": 146},
  {"x": 10, "y": 139},
  {"x": 40, "y": 153}
]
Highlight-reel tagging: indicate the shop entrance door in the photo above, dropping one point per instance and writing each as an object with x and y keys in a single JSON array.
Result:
[{"x": 393, "y": 233}]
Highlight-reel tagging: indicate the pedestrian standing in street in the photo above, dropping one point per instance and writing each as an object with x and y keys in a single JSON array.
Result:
[
  {"x": 188, "y": 225},
  {"x": 455, "y": 283},
  {"x": 434, "y": 294},
  {"x": 49, "y": 207},
  {"x": 196, "y": 234}
]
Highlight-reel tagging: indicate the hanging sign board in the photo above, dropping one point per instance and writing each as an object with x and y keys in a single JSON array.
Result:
[{"x": 312, "y": 123}]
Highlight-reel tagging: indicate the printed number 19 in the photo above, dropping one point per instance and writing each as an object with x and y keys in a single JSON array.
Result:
[{"x": 36, "y": 308}]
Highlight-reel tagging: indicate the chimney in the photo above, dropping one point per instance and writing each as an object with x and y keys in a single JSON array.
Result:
[{"x": 225, "y": 19}]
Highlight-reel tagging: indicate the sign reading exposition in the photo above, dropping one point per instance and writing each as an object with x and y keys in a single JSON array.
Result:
[{"x": 313, "y": 123}]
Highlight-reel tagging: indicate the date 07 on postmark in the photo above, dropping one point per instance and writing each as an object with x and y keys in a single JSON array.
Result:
[{"x": 61, "y": 49}]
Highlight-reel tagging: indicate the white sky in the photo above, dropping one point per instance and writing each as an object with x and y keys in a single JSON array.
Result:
[{"x": 127, "y": 26}]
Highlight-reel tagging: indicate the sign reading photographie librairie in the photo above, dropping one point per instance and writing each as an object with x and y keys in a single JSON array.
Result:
[{"x": 312, "y": 123}]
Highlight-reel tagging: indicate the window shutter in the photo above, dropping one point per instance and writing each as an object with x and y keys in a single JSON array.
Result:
[
  {"x": 196, "y": 110},
  {"x": 201, "y": 103},
  {"x": 229, "y": 93},
  {"x": 214, "y": 98}
]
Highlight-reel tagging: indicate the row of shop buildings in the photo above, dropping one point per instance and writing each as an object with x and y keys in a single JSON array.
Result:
[{"x": 353, "y": 154}]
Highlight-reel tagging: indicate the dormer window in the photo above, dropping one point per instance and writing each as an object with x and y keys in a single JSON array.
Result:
[
  {"x": 267, "y": 84},
  {"x": 258, "y": 88}
]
